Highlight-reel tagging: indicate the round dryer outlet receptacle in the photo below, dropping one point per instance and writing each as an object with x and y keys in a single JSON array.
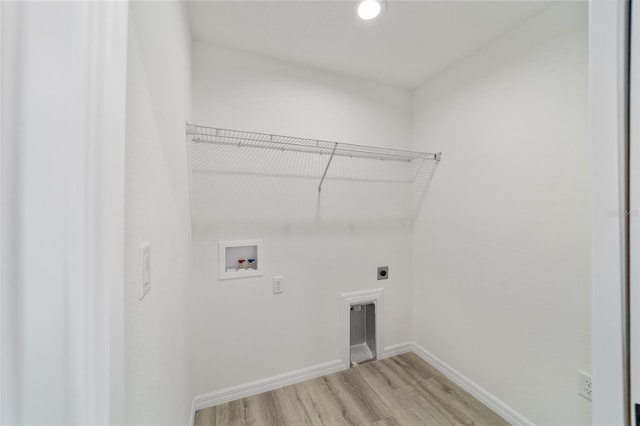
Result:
[{"x": 383, "y": 272}]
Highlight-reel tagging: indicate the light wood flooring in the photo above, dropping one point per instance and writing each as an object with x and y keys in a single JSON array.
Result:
[{"x": 402, "y": 390}]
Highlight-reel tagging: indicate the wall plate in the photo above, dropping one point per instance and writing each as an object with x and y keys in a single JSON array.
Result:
[
  {"x": 144, "y": 264},
  {"x": 383, "y": 272}
]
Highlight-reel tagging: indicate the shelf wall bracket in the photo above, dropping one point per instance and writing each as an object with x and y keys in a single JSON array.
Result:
[
  {"x": 191, "y": 129},
  {"x": 327, "y": 168}
]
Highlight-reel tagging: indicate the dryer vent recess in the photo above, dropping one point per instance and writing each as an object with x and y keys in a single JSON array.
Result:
[{"x": 383, "y": 272}]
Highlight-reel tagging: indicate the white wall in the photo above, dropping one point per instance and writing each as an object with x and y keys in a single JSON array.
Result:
[
  {"x": 321, "y": 245},
  {"x": 502, "y": 249},
  {"x": 157, "y": 211}
]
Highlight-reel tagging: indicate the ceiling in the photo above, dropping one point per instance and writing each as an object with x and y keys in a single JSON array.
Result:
[{"x": 404, "y": 47}]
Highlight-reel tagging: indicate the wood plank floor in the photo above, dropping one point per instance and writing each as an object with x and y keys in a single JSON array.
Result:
[{"x": 402, "y": 390}]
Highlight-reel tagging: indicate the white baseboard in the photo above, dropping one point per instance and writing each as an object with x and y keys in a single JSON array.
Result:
[
  {"x": 399, "y": 349},
  {"x": 253, "y": 388},
  {"x": 481, "y": 394}
]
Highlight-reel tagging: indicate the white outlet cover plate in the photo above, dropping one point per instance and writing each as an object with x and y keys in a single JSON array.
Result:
[
  {"x": 585, "y": 385},
  {"x": 278, "y": 283}
]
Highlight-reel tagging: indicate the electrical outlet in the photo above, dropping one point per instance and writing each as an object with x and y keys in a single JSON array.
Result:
[
  {"x": 278, "y": 285},
  {"x": 585, "y": 385}
]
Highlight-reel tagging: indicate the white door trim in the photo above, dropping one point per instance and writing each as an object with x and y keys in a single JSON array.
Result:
[
  {"x": 607, "y": 122},
  {"x": 634, "y": 212},
  {"x": 89, "y": 136},
  {"x": 108, "y": 26}
]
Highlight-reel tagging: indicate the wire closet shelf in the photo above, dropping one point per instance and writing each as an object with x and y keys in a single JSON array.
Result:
[{"x": 220, "y": 136}]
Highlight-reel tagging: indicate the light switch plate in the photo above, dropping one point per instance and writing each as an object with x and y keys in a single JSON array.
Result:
[{"x": 144, "y": 261}]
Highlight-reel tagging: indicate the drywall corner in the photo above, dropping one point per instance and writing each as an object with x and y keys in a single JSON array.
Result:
[{"x": 157, "y": 377}]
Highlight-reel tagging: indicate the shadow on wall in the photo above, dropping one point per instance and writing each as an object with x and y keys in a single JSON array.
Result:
[{"x": 238, "y": 184}]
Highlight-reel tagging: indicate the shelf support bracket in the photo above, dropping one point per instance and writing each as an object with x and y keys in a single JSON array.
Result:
[
  {"x": 327, "y": 168},
  {"x": 191, "y": 129}
]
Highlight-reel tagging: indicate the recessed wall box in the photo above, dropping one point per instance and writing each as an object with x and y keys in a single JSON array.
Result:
[
  {"x": 230, "y": 253},
  {"x": 362, "y": 336}
]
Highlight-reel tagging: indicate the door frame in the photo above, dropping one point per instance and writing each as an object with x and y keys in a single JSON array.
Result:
[{"x": 93, "y": 246}]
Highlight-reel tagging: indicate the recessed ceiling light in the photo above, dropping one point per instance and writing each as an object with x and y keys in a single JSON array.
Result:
[{"x": 369, "y": 9}]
